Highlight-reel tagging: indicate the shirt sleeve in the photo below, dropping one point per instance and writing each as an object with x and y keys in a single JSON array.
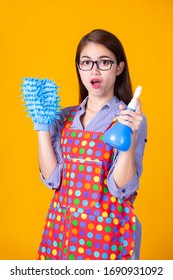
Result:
[
  {"x": 132, "y": 186},
  {"x": 53, "y": 182}
]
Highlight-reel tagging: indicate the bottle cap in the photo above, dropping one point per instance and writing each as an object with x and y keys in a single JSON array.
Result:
[
  {"x": 133, "y": 102},
  {"x": 137, "y": 92}
]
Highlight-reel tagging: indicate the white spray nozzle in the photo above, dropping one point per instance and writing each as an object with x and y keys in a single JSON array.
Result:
[
  {"x": 137, "y": 92},
  {"x": 133, "y": 102}
]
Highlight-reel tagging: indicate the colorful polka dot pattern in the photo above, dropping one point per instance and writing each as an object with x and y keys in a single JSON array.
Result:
[{"x": 85, "y": 221}]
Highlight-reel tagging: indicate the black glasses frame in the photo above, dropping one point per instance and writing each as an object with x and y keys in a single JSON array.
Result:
[{"x": 96, "y": 62}]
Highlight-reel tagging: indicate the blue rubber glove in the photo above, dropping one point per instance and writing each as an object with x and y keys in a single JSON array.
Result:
[{"x": 42, "y": 101}]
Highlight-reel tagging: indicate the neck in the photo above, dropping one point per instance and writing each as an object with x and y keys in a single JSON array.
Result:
[{"x": 95, "y": 104}]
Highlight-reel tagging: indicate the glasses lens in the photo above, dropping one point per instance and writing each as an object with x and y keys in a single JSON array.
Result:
[
  {"x": 85, "y": 65},
  {"x": 104, "y": 64}
]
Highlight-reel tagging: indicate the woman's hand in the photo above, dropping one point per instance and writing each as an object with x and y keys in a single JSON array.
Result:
[{"x": 130, "y": 118}]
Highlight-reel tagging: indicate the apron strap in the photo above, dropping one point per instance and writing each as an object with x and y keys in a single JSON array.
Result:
[
  {"x": 112, "y": 123},
  {"x": 70, "y": 116}
]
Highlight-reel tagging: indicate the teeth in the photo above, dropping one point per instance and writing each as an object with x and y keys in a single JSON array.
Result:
[{"x": 95, "y": 82}]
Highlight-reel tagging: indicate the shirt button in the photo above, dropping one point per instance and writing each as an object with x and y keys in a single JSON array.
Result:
[
  {"x": 123, "y": 191},
  {"x": 50, "y": 184}
]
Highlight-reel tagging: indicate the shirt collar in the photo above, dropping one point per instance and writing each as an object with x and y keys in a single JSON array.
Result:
[
  {"x": 82, "y": 105},
  {"x": 113, "y": 103}
]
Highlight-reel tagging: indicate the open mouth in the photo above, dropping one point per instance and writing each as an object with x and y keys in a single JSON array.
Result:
[{"x": 95, "y": 82}]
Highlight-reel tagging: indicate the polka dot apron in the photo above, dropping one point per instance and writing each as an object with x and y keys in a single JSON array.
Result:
[{"x": 86, "y": 222}]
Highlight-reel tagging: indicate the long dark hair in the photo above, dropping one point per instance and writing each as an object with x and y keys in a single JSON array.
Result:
[{"x": 123, "y": 88}]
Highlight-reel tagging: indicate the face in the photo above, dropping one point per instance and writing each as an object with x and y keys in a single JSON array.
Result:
[{"x": 99, "y": 82}]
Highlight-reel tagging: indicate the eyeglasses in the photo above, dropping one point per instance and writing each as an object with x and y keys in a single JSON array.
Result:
[{"x": 103, "y": 64}]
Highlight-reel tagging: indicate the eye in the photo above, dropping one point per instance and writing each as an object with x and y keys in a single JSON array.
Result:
[
  {"x": 85, "y": 62},
  {"x": 105, "y": 62}
]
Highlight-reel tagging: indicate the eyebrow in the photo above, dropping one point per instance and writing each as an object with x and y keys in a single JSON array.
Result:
[{"x": 102, "y": 56}]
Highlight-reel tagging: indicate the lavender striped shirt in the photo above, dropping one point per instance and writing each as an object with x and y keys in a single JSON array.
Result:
[{"x": 99, "y": 123}]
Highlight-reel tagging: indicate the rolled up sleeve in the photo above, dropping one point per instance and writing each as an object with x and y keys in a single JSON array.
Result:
[
  {"x": 126, "y": 190},
  {"x": 53, "y": 182}
]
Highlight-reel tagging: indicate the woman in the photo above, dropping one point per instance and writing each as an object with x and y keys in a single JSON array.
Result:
[{"x": 91, "y": 215}]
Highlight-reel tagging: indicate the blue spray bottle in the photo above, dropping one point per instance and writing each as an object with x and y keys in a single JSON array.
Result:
[{"x": 119, "y": 135}]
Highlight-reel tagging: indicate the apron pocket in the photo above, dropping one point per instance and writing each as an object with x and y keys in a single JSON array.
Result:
[
  {"x": 95, "y": 237},
  {"x": 80, "y": 183}
]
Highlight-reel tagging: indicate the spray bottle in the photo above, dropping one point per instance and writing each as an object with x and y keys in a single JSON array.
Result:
[{"x": 119, "y": 135}]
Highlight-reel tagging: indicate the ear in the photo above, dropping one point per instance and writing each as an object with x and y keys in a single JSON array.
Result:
[{"x": 120, "y": 67}]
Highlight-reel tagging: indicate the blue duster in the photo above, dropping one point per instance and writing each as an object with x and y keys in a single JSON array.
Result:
[{"x": 41, "y": 99}]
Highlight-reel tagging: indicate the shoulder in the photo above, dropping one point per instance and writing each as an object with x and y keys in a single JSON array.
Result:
[
  {"x": 63, "y": 113},
  {"x": 113, "y": 105},
  {"x": 56, "y": 127}
]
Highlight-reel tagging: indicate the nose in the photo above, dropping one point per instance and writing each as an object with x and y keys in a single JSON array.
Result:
[{"x": 95, "y": 70}]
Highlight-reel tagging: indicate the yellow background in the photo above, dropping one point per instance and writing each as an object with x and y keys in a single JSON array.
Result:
[{"x": 39, "y": 38}]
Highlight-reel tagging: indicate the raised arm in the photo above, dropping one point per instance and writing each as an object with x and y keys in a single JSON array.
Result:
[{"x": 126, "y": 168}]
